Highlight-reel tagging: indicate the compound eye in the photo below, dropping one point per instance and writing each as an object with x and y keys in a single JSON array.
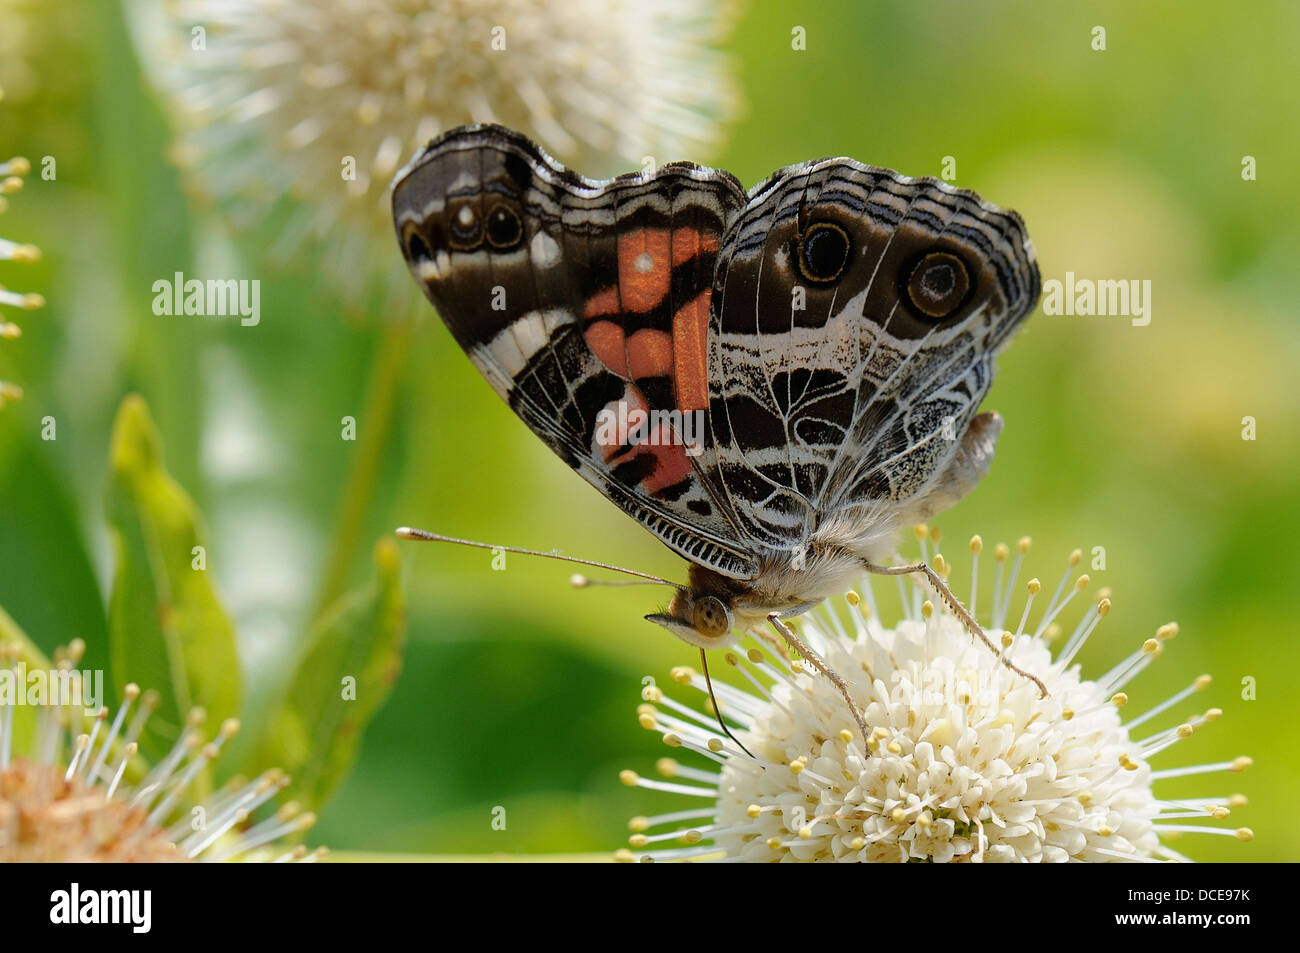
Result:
[
  {"x": 710, "y": 616},
  {"x": 938, "y": 284},
  {"x": 504, "y": 230},
  {"x": 823, "y": 252}
]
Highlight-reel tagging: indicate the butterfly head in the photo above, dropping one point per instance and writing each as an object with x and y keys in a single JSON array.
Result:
[{"x": 703, "y": 612}]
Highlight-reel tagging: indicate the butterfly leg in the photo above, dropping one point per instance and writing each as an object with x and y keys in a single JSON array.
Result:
[
  {"x": 806, "y": 652},
  {"x": 958, "y": 609}
]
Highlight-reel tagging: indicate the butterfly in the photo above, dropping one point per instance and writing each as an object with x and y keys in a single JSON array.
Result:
[{"x": 773, "y": 382}]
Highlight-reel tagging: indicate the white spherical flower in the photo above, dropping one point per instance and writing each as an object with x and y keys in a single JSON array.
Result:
[
  {"x": 301, "y": 112},
  {"x": 74, "y": 787},
  {"x": 964, "y": 759}
]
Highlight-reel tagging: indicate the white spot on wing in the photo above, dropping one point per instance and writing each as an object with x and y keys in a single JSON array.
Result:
[{"x": 545, "y": 250}]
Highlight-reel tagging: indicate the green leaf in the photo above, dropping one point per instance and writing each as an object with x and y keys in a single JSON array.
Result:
[
  {"x": 348, "y": 667},
  {"x": 16, "y": 647},
  {"x": 167, "y": 627}
]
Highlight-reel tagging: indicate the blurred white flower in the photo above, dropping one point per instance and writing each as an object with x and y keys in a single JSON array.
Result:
[
  {"x": 298, "y": 113},
  {"x": 11, "y": 173},
  {"x": 64, "y": 793},
  {"x": 965, "y": 761}
]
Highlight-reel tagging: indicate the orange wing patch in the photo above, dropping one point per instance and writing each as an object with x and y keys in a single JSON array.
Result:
[
  {"x": 644, "y": 273},
  {"x": 690, "y": 352},
  {"x": 605, "y": 338}
]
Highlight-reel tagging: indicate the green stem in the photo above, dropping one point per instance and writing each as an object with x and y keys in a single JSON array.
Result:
[{"x": 374, "y": 427}]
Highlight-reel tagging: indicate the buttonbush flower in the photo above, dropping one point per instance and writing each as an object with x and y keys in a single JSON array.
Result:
[
  {"x": 66, "y": 795},
  {"x": 965, "y": 760},
  {"x": 299, "y": 112},
  {"x": 11, "y": 180}
]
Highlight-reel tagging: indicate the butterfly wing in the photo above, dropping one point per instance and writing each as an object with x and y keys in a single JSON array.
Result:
[
  {"x": 584, "y": 304},
  {"x": 857, "y": 314}
]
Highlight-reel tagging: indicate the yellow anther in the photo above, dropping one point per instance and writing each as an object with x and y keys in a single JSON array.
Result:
[
  {"x": 1081, "y": 583},
  {"x": 1242, "y": 763},
  {"x": 629, "y": 777},
  {"x": 1202, "y": 683},
  {"x": 927, "y": 609},
  {"x": 857, "y": 843},
  {"x": 1007, "y": 639},
  {"x": 774, "y": 842},
  {"x": 1185, "y": 730},
  {"x": 1243, "y": 833},
  {"x": 754, "y": 655},
  {"x": 672, "y": 740},
  {"x": 894, "y": 747},
  {"x": 852, "y": 598},
  {"x": 1075, "y": 557},
  {"x": 682, "y": 674},
  {"x": 1167, "y": 631},
  {"x": 753, "y": 811},
  {"x": 638, "y": 824},
  {"x": 976, "y": 543},
  {"x": 715, "y": 745},
  {"x": 1151, "y": 646},
  {"x": 692, "y": 837},
  {"x": 898, "y": 815},
  {"x": 624, "y": 856},
  {"x": 667, "y": 767},
  {"x": 1214, "y": 714},
  {"x": 940, "y": 564},
  {"x": 1001, "y": 552},
  {"x": 638, "y": 840},
  {"x": 846, "y": 736},
  {"x": 1237, "y": 801},
  {"x": 1103, "y": 608},
  {"x": 936, "y": 534},
  {"x": 1219, "y": 813},
  {"x": 1034, "y": 586},
  {"x": 805, "y": 832},
  {"x": 920, "y": 530},
  {"x": 1119, "y": 699}
]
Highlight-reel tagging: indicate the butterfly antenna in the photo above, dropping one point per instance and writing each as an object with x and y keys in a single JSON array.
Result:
[
  {"x": 579, "y": 581},
  {"x": 408, "y": 532},
  {"x": 717, "y": 710}
]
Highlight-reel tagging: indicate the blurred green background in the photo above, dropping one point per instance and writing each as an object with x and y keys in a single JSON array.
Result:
[{"x": 520, "y": 692}]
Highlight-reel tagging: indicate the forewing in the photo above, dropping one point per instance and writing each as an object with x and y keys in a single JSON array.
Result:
[{"x": 584, "y": 304}]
